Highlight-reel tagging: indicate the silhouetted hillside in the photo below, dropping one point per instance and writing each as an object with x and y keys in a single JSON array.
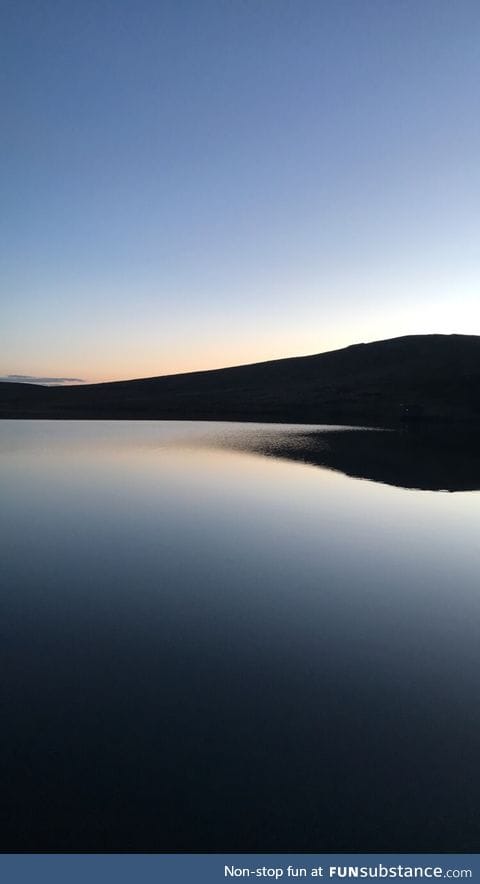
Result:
[{"x": 414, "y": 378}]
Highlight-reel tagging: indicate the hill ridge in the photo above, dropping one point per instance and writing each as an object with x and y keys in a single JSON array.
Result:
[{"x": 408, "y": 378}]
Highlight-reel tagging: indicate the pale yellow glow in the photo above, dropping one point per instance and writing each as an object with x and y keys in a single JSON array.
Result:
[{"x": 303, "y": 326}]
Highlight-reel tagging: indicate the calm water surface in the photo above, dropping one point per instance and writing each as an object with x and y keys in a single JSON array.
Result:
[{"x": 203, "y": 648}]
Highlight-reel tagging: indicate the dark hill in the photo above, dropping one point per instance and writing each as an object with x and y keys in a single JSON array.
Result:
[{"x": 414, "y": 378}]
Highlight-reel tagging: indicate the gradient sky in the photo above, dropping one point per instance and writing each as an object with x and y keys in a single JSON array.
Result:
[{"x": 195, "y": 183}]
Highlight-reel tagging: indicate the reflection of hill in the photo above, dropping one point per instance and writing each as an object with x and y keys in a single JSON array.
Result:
[
  {"x": 417, "y": 378},
  {"x": 409, "y": 459}
]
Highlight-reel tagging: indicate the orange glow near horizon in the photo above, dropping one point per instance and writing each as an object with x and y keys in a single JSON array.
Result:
[
  {"x": 142, "y": 351},
  {"x": 205, "y": 361}
]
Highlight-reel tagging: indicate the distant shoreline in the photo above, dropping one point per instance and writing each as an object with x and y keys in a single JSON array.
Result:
[{"x": 415, "y": 380}]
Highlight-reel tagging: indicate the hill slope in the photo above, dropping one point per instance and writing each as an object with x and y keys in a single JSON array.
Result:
[{"x": 421, "y": 377}]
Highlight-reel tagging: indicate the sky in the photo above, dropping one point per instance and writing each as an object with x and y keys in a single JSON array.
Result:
[{"x": 187, "y": 184}]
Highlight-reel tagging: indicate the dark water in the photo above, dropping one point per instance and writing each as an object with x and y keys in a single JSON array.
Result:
[{"x": 206, "y": 648}]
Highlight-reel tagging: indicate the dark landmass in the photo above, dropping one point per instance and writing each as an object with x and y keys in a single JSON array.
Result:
[
  {"x": 420, "y": 378},
  {"x": 427, "y": 459}
]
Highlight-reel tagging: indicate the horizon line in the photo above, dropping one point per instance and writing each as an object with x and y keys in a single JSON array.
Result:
[{"x": 58, "y": 381}]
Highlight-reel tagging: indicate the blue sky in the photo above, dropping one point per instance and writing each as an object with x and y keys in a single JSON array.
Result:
[{"x": 198, "y": 183}]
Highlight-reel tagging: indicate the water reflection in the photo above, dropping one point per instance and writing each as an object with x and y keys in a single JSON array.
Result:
[
  {"x": 208, "y": 649},
  {"x": 438, "y": 459},
  {"x": 435, "y": 460}
]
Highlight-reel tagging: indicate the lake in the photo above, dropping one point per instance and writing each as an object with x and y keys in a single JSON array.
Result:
[{"x": 211, "y": 641}]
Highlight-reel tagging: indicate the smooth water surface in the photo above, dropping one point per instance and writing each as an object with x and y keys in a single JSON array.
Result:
[{"x": 208, "y": 649}]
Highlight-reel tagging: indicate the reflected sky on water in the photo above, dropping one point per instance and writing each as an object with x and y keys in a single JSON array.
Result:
[{"x": 209, "y": 648}]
